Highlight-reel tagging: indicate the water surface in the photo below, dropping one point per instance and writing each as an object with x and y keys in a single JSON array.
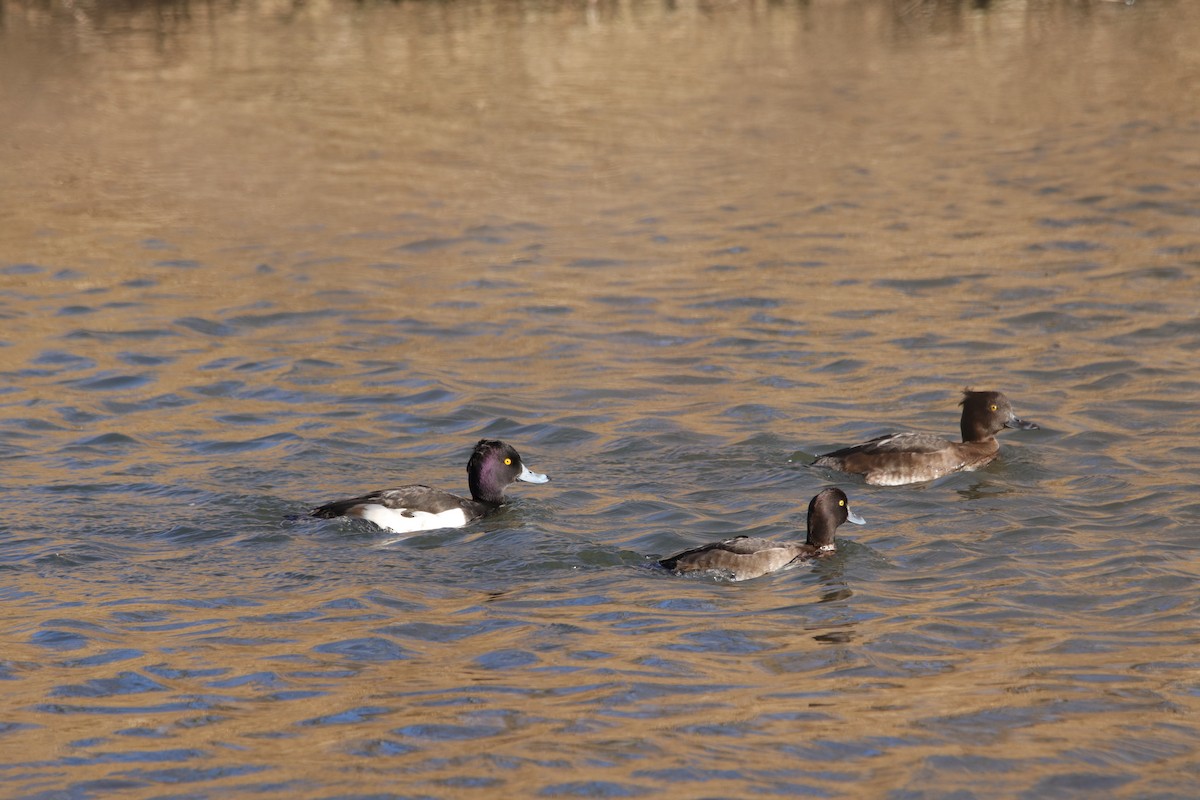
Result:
[{"x": 255, "y": 257}]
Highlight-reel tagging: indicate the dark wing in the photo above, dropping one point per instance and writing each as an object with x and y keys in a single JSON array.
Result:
[
  {"x": 424, "y": 498},
  {"x": 745, "y": 545},
  {"x": 718, "y": 553},
  {"x": 892, "y": 443},
  {"x": 740, "y": 558}
]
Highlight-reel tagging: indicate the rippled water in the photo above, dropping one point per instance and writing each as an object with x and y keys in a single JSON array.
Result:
[{"x": 255, "y": 257}]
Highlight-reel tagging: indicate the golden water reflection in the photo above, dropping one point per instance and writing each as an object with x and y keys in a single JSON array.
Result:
[{"x": 256, "y": 254}]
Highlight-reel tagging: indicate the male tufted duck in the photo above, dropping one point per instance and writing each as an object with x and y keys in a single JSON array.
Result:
[
  {"x": 900, "y": 458},
  {"x": 744, "y": 557},
  {"x": 493, "y": 466}
]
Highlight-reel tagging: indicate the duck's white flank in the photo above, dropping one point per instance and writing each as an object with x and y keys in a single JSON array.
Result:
[{"x": 400, "y": 520}]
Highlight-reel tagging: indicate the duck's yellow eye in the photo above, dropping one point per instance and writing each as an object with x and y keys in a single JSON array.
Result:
[
  {"x": 508, "y": 461},
  {"x": 841, "y": 502},
  {"x": 994, "y": 407}
]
